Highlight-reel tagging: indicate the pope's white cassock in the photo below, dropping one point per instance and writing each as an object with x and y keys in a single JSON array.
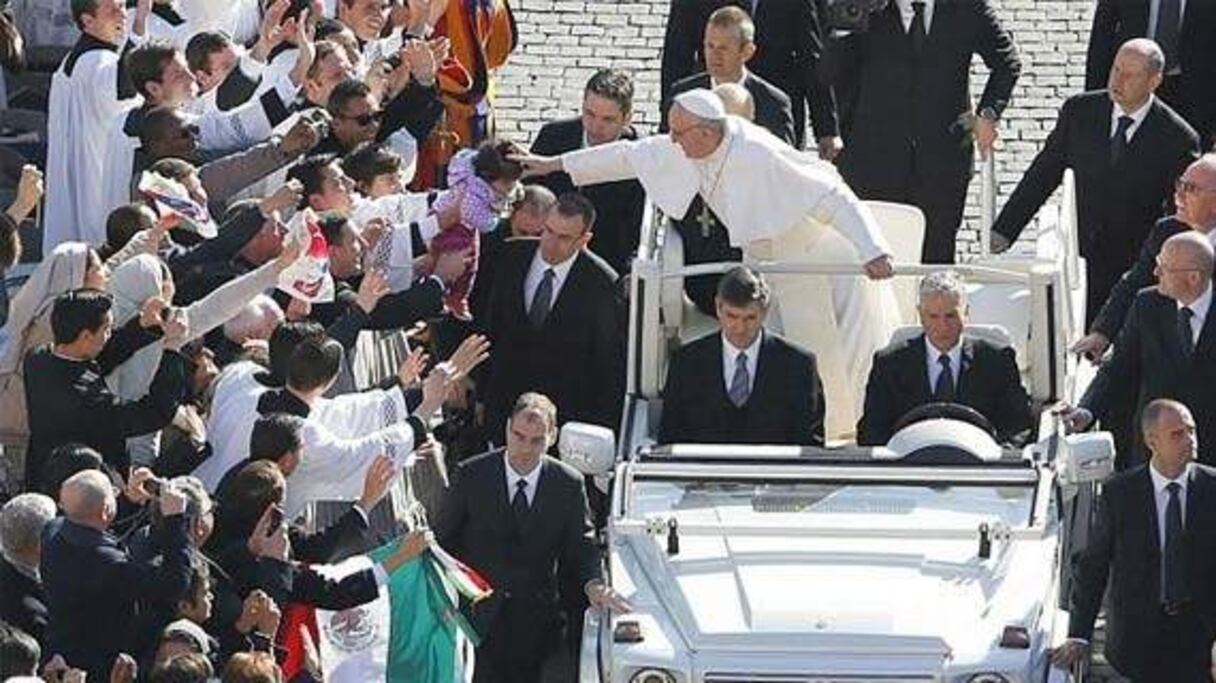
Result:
[
  {"x": 87, "y": 92},
  {"x": 775, "y": 200},
  {"x": 219, "y": 132},
  {"x": 341, "y": 437}
]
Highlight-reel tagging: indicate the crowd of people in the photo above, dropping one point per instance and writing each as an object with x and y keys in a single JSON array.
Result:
[{"x": 284, "y": 259}]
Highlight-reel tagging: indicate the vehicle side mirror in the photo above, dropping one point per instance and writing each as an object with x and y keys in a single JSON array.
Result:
[
  {"x": 588, "y": 448},
  {"x": 1086, "y": 458}
]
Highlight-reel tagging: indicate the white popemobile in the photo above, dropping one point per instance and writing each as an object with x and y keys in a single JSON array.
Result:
[{"x": 941, "y": 557}]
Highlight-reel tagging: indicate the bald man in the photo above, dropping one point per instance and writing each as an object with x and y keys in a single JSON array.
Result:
[
  {"x": 1167, "y": 347},
  {"x": 92, "y": 583},
  {"x": 1126, "y": 148}
]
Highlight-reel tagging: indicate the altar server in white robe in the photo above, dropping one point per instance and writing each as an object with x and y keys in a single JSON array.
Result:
[
  {"x": 160, "y": 74},
  {"x": 773, "y": 200},
  {"x": 88, "y": 91}
]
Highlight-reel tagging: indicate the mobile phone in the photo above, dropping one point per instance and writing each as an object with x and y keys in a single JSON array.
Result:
[
  {"x": 296, "y": 7},
  {"x": 154, "y": 486},
  {"x": 276, "y": 520}
]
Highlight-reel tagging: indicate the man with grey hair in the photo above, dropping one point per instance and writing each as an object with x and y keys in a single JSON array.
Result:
[
  {"x": 22, "y": 600},
  {"x": 253, "y": 325},
  {"x": 92, "y": 582},
  {"x": 944, "y": 365},
  {"x": 1125, "y": 148},
  {"x": 744, "y": 384},
  {"x": 1166, "y": 348}
]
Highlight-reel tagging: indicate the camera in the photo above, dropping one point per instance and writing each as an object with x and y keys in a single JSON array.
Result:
[
  {"x": 852, "y": 15},
  {"x": 154, "y": 486}
]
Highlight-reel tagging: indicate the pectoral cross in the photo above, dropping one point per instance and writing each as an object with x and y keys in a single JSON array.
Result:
[{"x": 705, "y": 220}]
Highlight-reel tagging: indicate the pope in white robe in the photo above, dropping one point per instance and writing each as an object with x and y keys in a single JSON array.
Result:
[{"x": 774, "y": 202}]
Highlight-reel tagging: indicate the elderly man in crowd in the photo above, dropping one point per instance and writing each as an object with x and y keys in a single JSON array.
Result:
[{"x": 22, "y": 598}]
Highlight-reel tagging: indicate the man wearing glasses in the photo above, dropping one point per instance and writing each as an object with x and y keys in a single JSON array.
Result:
[{"x": 1166, "y": 348}]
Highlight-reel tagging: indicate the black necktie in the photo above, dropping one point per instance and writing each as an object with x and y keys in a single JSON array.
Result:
[
  {"x": 943, "y": 389},
  {"x": 1174, "y": 589},
  {"x": 1118, "y": 142},
  {"x": 1184, "y": 330},
  {"x": 519, "y": 502},
  {"x": 542, "y": 300},
  {"x": 1169, "y": 27},
  {"x": 916, "y": 30}
]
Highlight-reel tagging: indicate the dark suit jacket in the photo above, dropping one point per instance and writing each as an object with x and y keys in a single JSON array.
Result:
[
  {"x": 1148, "y": 363},
  {"x": 576, "y": 358},
  {"x": 618, "y": 205},
  {"x": 1115, "y": 206},
  {"x": 22, "y": 601},
  {"x": 556, "y": 546},
  {"x": 899, "y": 381},
  {"x": 1117, "y": 21},
  {"x": 92, "y": 586},
  {"x": 788, "y": 48},
  {"x": 893, "y": 104},
  {"x": 1125, "y": 548},
  {"x": 773, "y": 110},
  {"x": 1136, "y": 278},
  {"x": 785, "y": 406}
]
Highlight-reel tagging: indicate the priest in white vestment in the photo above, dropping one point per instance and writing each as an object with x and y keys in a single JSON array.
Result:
[{"x": 775, "y": 203}]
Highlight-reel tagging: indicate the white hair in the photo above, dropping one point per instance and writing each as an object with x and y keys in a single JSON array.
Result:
[
  {"x": 944, "y": 283},
  {"x": 252, "y": 320},
  {"x": 85, "y": 494},
  {"x": 21, "y": 523}
]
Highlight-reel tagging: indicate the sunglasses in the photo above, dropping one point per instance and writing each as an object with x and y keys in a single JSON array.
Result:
[{"x": 366, "y": 119}]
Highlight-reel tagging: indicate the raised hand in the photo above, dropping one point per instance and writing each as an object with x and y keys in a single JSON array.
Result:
[
  {"x": 286, "y": 197},
  {"x": 271, "y": 32},
  {"x": 373, "y": 288},
  {"x": 471, "y": 353},
  {"x": 153, "y": 313},
  {"x": 411, "y": 368},
  {"x": 376, "y": 482},
  {"x": 29, "y": 192}
]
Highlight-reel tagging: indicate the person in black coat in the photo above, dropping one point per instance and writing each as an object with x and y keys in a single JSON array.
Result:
[
  {"x": 93, "y": 584},
  {"x": 1152, "y": 357},
  {"x": 22, "y": 598},
  {"x": 1123, "y": 183},
  {"x": 904, "y": 90},
  {"x": 520, "y": 518},
  {"x": 1154, "y": 547},
  {"x": 606, "y": 115},
  {"x": 1195, "y": 199},
  {"x": 729, "y": 46},
  {"x": 789, "y": 44},
  {"x": 744, "y": 384},
  {"x": 909, "y": 374},
  {"x": 1190, "y": 68},
  {"x": 555, "y": 321}
]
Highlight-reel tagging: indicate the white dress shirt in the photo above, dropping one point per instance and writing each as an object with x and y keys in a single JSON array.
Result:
[
  {"x": 906, "y": 13},
  {"x": 713, "y": 82},
  {"x": 1162, "y": 497},
  {"x": 730, "y": 353},
  {"x": 1137, "y": 118},
  {"x": 935, "y": 369},
  {"x": 532, "y": 478},
  {"x": 1200, "y": 309},
  {"x": 536, "y": 272}
]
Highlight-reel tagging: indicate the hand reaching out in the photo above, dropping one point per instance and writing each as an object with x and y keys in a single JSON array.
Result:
[{"x": 411, "y": 368}]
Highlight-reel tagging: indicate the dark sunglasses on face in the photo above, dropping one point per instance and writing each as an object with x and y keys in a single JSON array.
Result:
[{"x": 366, "y": 119}]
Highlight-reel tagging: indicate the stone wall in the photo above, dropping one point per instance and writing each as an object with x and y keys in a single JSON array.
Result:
[{"x": 564, "y": 42}]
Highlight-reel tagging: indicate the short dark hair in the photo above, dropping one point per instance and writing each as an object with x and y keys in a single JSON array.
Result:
[
  {"x": 331, "y": 225},
  {"x": 314, "y": 364},
  {"x": 310, "y": 174},
  {"x": 125, "y": 222},
  {"x": 346, "y": 91},
  {"x": 19, "y": 652},
  {"x": 65, "y": 461},
  {"x": 190, "y": 667},
  {"x": 157, "y": 122},
  {"x": 283, "y": 342},
  {"x": 275, "y": 435},
  {"x": 612, "y": 84},
  {"x": 1152, "y": 413},
  {"x": 10, "y": 240},
  {"x": 328, "y": 26},
  {"x": 146, "y": 63},
  {"x": 256, "y": 485},
  {"x": 369, "y": 160},
  {"x": 81, "y": 8},
  {"x": 571, "y": 204},
  {"x": 200, "y": 578},
  {"x": 202, "y": 45},
  {"x": 78, "y": 311},
  {"x": 741, "y": 287},
  {"x": 173, "y": 168},
  {"x": 490, "y": 162}
]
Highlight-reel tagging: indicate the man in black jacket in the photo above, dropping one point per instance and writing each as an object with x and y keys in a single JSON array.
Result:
[
  {"x": 912, "y": 373},
  {"x": 1126, "y": 148},
  {"x": 789, "y": 44},
  {"x": 744, "y": 384},
  {"x": 92, "y": 583},
  {"x": 1167, "y": 346},
  {"x": 1187, "y": 41},
  {"x": 521, "y": 519},
  {"x": 606, "y": 115},
  {"x": 905, "y": 102},
  {"x": 1155, "y": 544},
  {"x": 22, "y": 596}
]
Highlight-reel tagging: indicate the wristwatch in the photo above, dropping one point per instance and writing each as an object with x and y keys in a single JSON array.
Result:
[{"x": 988, "y": 113}]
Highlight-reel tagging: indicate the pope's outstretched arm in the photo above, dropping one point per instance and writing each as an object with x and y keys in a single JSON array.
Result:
[{"x": 599, "y": 164}]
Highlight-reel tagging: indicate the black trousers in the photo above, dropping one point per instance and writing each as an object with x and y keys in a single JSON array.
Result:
[{"x": 1180, "y": 652}]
